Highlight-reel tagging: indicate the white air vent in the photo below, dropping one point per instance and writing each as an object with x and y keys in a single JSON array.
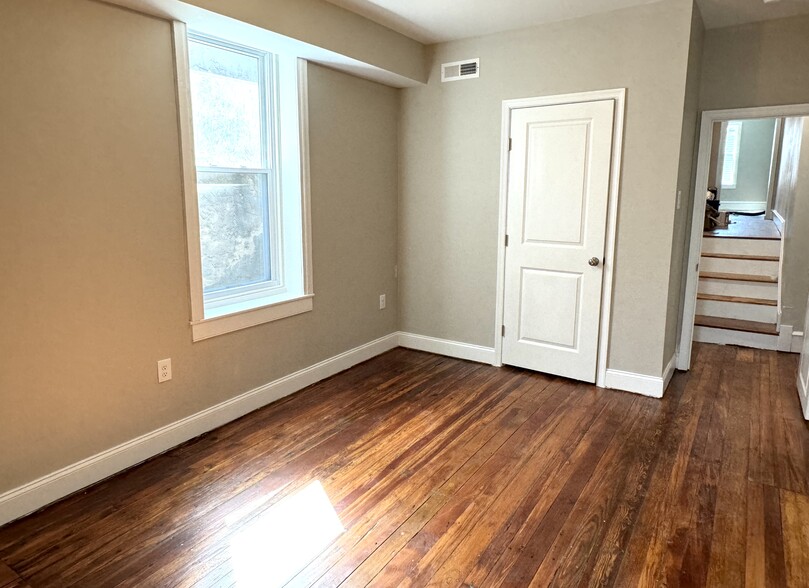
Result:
[{"x": 460, "y": 70}]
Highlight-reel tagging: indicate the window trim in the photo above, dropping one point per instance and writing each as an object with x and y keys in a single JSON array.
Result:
[{"x": 276, "y": 309}]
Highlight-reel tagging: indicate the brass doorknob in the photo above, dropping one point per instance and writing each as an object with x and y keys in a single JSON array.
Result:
[{"x": 594, "y": 261}]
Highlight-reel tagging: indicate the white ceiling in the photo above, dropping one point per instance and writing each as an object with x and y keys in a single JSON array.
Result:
[
  {"x": 434, "y": 21},
  {"x": 725, "y": 13}
]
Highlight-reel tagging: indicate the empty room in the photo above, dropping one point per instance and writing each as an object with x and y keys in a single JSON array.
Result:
[{"x": 404, "y": 293}]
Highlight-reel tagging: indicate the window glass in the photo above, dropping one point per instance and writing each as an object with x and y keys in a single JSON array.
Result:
[
  {"x": 730, "y": 158},
  {"x": 226, "y": 92},
  {"x": 234, "y": 230}
]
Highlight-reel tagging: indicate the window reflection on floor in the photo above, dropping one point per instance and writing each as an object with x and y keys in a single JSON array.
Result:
[{"x": 282, "y": 540}]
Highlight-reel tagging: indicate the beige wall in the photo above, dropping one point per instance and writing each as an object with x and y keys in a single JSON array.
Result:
[
  {"x": 316, "y": 22},
  {"x": 450, "y": 139},
  {"x": 760, "y": 64},
  {"x": 92, "y": 252},
  {"x": 685, "y": 185}
]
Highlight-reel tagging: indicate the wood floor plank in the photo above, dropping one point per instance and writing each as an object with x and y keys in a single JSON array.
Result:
[
  {"x": 755, "y": 574},
  {"x": 652, "y": 536},
  {"x": 416, "y": 562},
  {"x": 795, "y": 527},
  {"x": 8, "y": 577},
  {"x": 499, "y": 523},
  {"x": 774, "y": 559},
  {"x": 450, "y": 473},
  {"x": 727, "y": 562},
  {"x": 310, "y": 464},
  {"x": 572, "y": 555}
]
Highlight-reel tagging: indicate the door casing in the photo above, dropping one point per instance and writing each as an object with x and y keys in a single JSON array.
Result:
[{"x": 619, "y": 96}]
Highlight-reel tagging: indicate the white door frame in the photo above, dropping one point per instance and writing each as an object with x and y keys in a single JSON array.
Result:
[
  {"x": 619, "y": 96},
  {"x": 709, "y": 117}
]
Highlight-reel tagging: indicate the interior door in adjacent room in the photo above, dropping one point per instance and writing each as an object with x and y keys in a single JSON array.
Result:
[{"x": 556, "y": 226}]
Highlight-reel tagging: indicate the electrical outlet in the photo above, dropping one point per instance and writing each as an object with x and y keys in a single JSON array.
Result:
[
  {"x": 163, "y": 370},
  {"x": 381, "y": 302}
]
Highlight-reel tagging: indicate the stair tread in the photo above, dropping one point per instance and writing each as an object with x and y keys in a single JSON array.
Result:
[
  {"x": 735, "y": 324},
  {"x": 739, "y": 277},
  {"x": 741, "y": 256},
  {"x": 737, "y": 299}
]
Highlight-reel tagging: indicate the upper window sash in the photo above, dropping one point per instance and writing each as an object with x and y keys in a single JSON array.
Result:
[{"x": 250, "y": 93}]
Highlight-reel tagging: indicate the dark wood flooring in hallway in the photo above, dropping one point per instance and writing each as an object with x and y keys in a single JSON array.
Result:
[{"x": 415, "y": 469}]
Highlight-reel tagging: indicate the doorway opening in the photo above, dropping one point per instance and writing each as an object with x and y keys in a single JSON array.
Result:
[{"x": 748, "y": 277}]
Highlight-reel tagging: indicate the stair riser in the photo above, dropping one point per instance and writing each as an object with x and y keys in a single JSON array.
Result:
[
  {"x": 739, "y": 266},
  {"x": 742, "y": 289},
  {"x": 734, "y": 310},
  {"x": 742, "y": 246},
  {"x": 726, "y": 337}
]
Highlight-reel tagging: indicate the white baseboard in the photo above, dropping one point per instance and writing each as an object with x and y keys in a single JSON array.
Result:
[
  {"x": 668, "y": 373},
  {"x": 653, "y": 386},
  {"x": 796, "y": 345},
  {"x": 467, "y": 351},
  {"x": 34, "y": 495},
  {"x": 785, "y": 338}
]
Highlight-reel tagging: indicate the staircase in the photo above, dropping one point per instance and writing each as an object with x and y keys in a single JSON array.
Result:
[{"x": 737, "y": 300}]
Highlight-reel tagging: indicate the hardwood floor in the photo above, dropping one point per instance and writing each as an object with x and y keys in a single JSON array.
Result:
[{"x": 450, "y": 473}]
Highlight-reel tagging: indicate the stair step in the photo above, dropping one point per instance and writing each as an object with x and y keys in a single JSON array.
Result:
[
  {"x": 735, "y": 325},
  {"x": 741, "y": 256},
  {"x": 741, "y": 247},
  {"x": 732, "y": 310},
  {"x": 739, "y": 277},
  {"x": 739, "y": 299},
  {"x": 734, "y": 265},
  {"x": 741, "y": 338}
]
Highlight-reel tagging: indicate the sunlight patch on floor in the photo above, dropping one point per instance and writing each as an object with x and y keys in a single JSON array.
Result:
[{"x": 282, "y": 540}]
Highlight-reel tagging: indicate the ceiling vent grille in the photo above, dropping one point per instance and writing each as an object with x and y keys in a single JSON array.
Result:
[{"x": 460, "y": 70}]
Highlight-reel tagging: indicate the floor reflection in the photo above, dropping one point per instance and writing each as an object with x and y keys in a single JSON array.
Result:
[{"x": 282, "y": 540}]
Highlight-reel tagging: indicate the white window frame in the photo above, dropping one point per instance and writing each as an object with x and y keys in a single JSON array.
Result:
[
  {"x": 292, "y": 293},
  {"x": 733, "y": 169}
]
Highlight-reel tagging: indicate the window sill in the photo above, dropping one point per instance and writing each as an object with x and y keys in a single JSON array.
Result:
[{"x": 212, "y": 327}]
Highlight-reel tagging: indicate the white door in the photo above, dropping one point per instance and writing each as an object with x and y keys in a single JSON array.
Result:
[{"x": 559, "y": 175}]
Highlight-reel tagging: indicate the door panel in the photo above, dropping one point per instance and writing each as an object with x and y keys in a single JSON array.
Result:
[
  {"x": 545, "y": 289},
  {"x": 559, "y": 173},
  {"x": 549, "y": 183}
]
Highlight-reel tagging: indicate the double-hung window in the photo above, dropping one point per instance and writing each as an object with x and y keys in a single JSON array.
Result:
[
  {"x": 730, "y": 157},
  {"x": 246, "y": 208}
]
